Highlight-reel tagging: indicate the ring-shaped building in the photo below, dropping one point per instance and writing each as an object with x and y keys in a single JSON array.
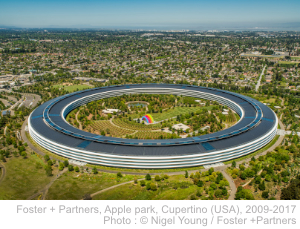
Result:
[{"x": 256, "y": 128}]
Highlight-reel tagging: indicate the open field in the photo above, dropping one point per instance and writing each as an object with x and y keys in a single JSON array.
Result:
[
  {"x": 288, "y": 63},
  {"x": 72, "y": 88},
  {"x": 73, "y": 186},
  {"x": 176, "y": 187},
  {"x": 177, "y": 111},
  {"x": 23, "y": 178},
  {"x": 263, "y": 56}
]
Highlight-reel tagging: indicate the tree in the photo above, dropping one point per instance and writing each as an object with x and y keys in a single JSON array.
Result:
[
  {"x": 218, "y": 193},
  {"x": 70, "y": 167},
  {"x": 24, "y": 154},
  {"x": 243, "y": 176},
  {"x": 148, "y": 177},
  {"x": 265, "y": 194},
  {"x": 157, "y": 178},
  {"x": 61, "y": 166},
  {"x": 186, "y": 174},
  {"x": 76, "y": 169},
  {"x": 243, "y": 194},
  {"x": 48, "y": 170},
  {"x": 46, "y": 157},
  {"x": 193, "y": 197},
  {"x": 66, "y": 163},
  {"x": 262, "y": 186},
  {"x": 119, "y": 175},
  {"x": 94, "y": 170},
  {"x": 292, "y": 191},
  {"x": 2, "y": 158},
  {"x": 200, "y": 183},
  {"x": 142, "y": 183},
  {"x": 198, "y": 193},
  {"x": 213, "y": 186},
  {"x": 49, "y": 163},
  {"x": 233, "y": 164},
  {"x": 153, "y": 187},
  {"x": 148, "y": 186}
]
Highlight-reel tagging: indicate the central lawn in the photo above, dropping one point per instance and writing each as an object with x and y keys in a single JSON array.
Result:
[
  {"x": 73, "y": 88},
  {"x": 177, "y": 111},
  {"x": 73, "y": 186},
  {"x": 22, "y": 178}
]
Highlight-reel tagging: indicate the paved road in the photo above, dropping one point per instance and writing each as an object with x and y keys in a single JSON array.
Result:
[
  {"x": 5, "y": 102},
  {"x": 23, "y": 135},
  {"x": 11, "y": 109},
  {"x": 31, "y": 99},
  {"x": 12, "y": 98},
  {"x": 258, "y": 83}
]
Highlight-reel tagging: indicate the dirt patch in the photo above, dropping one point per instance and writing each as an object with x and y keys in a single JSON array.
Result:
[
  {"x": 67, "y": 84},
  {"x": 248, "y": 187},
  {"x": 90, "y": 117},
  {"x": 239, "y": 182}
]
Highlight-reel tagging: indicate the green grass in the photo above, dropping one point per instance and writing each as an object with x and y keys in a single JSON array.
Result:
[
  {"x": 170, "y": 189},
  {"x": 255, "y": 153},
  {"x": 272, "y": 100},
  {"x": 288, "y": 63},
  {"x": 165, "y": 191},
  {"x": 73, "y": 186},
  {"x": 295, "y": 57},
  {"x": 283, "y": 84},
  {"x": 22, "y": 178},
  {"x": 145, "y": 171},
  {"x": 264, "y": 56},
  {"x": 177, "y": 111},
  {"x": 72, "y": 88}
]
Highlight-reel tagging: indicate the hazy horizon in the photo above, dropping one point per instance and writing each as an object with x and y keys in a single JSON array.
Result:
[{"x": 164, "y": 14}]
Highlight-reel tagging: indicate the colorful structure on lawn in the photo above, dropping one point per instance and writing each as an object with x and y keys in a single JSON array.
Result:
[{"x": 148, "y": 118}]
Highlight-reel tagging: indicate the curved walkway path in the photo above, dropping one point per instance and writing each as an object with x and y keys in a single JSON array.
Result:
[
  {"x": 44, "y": 191},
  {"x": 114, "y": 186},
  {"x": 76, "y": 117}
]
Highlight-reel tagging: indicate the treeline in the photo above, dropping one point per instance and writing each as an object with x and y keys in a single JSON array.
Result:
[
  {"x": 18, "y": 50},
  {"x": 292, "y": 191}
]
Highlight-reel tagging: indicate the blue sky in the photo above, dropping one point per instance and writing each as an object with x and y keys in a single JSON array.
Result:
[{"x": 114, "y": 13}]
